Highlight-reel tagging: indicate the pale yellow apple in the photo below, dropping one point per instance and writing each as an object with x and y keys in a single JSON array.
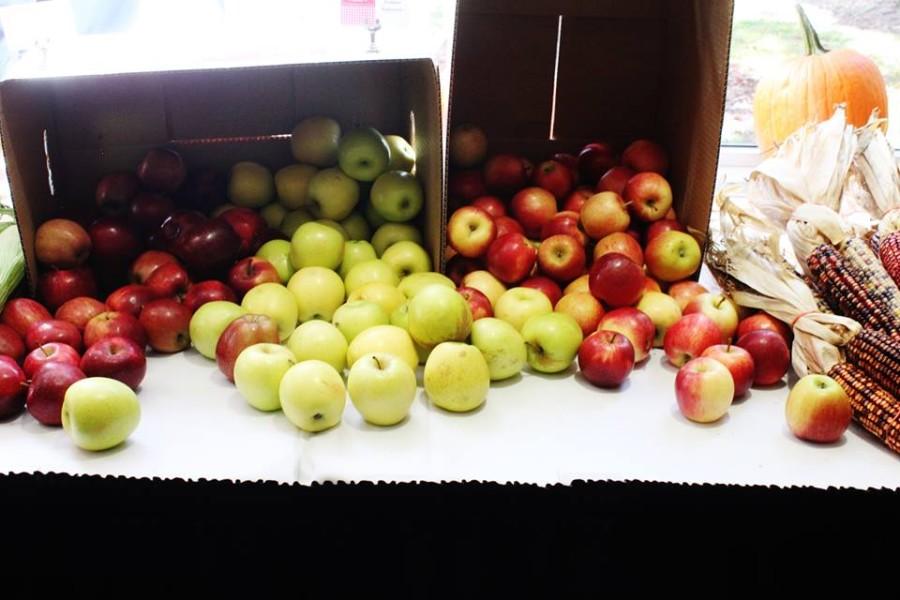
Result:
[
  {"x": 293, "y": 220},
  {"x": 250, "y": 184},
  {"x": 318, "y": 292},
  {"x": 258, "y": 371},
  {"x": 517, "y": 305},
  {"x": 382, "y": 387},
  {"x": 391, "y": 233},
  {"x": 438, "y": 314},
  {"x": 383, "y": 338},
  {"x": 208, "y": 323},
  {"x": 292, "y": 185},
  {"x": 312, "y": 395},
  {"x": 276, "y": 302},
  {"x": 356, "y": 316},
  {"x": 319, "y": 340},
  {"x": 663, "y": 310},
  {"x": 403, "y": 157},
  {"x": 273, "y": 214},
  {"x": 502, "y": 346},
  {"x": 413, "y": 284},
  {"x": 357, "y": 227},
  {"x": 456, "y": 377},
  {"x": 370, "y": 271},
  {"x": 406, "y": 258},
  {"x": 355, "y": 252},
  {"x": 387, "y": 296}
]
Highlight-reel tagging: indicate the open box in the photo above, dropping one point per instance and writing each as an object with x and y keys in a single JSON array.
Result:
[
  {"x": 542, "y": 77},
  {"x": 60, "y": 135}
]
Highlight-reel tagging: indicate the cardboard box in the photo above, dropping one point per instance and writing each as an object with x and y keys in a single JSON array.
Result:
[
  {"x": 542, "y": 77},
  {"x": 60, "y": 135}
]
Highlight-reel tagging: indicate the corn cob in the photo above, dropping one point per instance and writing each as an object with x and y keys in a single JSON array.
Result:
[
  {"x": 890, "y": 255},
  {"x": 872, "y": 407},
  {"x": 850, "y": 291},
  {"x": 878, "y": 356}
]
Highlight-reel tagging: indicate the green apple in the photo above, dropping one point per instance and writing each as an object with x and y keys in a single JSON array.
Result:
[
  {"x": 318, "y": 292},
  {"x": 356, "y": 226},
  {"x": 315, "y": 141},
  {"x": 391, "y": 233},
  {"x": 457, "y": 377},
  {"x": 383, "y": 338},
  {"x": 250, "y": 184},
  {"x": 438, "y": 314},
  {"x": 278, "y": 252},
  {"x": 332, "y": 194},
  {"x": 385, "y": 295},
  {"x": 312, "y": 395},
  {"x": 407, "y": 258},
  {"x": 415, "y": 283},
  {"x": 403, "y": 157},
  {"x": 292, "y": 185},
  {"x": 258, "y": 371},
  {"x": 100, "y": 413},
  {"x": 208, "y": 323},
  {"x": 273, "y": 214},
  {"x": 397, "y": 196},
  {"x": 293, "y": 220},
  {"x": 502, "y": 345},
  {"x": 276, "y": 302},
  {"x": 552, "y": 341},
  {"x": 316, "y": 245},
  {"x": 400, "y": 316},
  {"x": 517, "y": 305},
  {"x": 336, "y": 226},
  {"x": 370, "y": 271},
  {"x": 319, "y": 340},
  {"x": 363, "y": 154},
  {"x": 372, "y": 217},
  {"x": 355, "y": 252},
  {"x": 382, "y": 388},
  {"x": 356, "y": 316}
]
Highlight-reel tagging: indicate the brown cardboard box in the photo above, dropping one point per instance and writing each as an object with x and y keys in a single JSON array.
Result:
[
  {"x": 60, "y": 135},
  {"x": 625, "y": 69}
]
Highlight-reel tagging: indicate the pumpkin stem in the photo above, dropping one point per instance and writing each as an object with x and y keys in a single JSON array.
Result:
[{"x": 813, "y": 44}]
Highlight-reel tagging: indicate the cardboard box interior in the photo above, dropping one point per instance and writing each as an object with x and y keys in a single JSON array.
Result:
[
  {"x": 542, "y": 77},
  {"x": 61, "y": 135}
]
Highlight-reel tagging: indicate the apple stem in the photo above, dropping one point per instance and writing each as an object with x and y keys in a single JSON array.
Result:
[
  {"x": 377, "y": 362},
  {"x": 45, "y": 351}
]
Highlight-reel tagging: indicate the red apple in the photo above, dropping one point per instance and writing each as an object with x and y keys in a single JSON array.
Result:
[
  {"x": 459, "y": 266},
  {"x": 818, "y": 409},
  {"x": 507, "y": 225},
  {"x": 604, "y": 213},
  {"x": 659, "y": 227},
  {"x": 771, "y": 355},
  {"x": 53, "y": 352},
  {"x": 78, "y": 311},
  {"x": 48, "y": 390},
  {"x": 209, "y": 248},
  {"x": 12, "y": 387},
  {"x": 738, "y": 362},
  {"x": 57, "y": 287},
  {"x": 465, "y": 186},
  {"x": 718, "y": 307},
  {"x": 763, "y": 320},
  {"x": 533, "y": 208},
  {"x": 546, "y": 285},
  {"x": 240, "y": 333},
  {"x": 650, "y": 285},
  {"x": 685, "y": 291},
  {"x": 562, "y": 257},
  {"x": 511, "y": 258},
  {"x": 649, "y": 195},
  {"x": 584, "y": 308},
  {"x": 634, "y": 325},
  {"x": 616, "y": 280},
  {"x": 11, "y": 343},
  {"x": 554, "y": 177},
  {"x": 52, "y": 330},
  {"x": 620, "y": 243},
  {"x": 565, "y": 222},
  {"x": 596, "y": 159},
  {"x": 144, "y": 265},
  {"x": 114, "y": 324},
  {"x": 166, "y": 323},
  {"x": 118, "y": 358},
  {"x": 203, "y": 190},
  {"x": 162, "y": 170},
  {"x": 174, "y": 230},
  {"x": 130, "y": 298},
  {"x": 169, "y": 281},
  {"x": 467, "y": 146},
  {"x": 689, "y": 337},
  {"x": 576, "y": 199},
  {"x": 492, "y": 205},
  {"x": 149, "y": 210},
  {"x": 207, "y": 291},
  {"x": 614, "y": 180},
  {"x": 606, "y": 358},
  {"x": 478, "y": 303},
  {"x": 115, "y": 241},
  {"x": 248, "y": 225},
  {"x": 114, "y": 193},
  {"x": 704, "y": 390},
  {"x": 22, "y": 313},
  {"x": 506, "y": 173},
  {"x": 471, "y": 231},
  {"x": 249, "y": 272},
  {"x": 644, "y": 155},
  {"x": 61, "y": 244},
  {"x": 570, "y": 161}
]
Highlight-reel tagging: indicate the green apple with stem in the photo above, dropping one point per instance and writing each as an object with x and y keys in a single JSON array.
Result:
[
  {"x": 383, "y": 338},
  {"x": 316, "y": 245},
  {"x": 273, "y": 214},
  {"x": 276, "y": 302},
  {"x": 403, "y": 157},
  {"x": 385, "y": 295},
  {"x": 332, "y": 194},
  {"x": 100, "y": 413},
  {"x": 293, "y": 220},
  {"x": 517, "y": 305},
  {"x": 318, "y": 292},
  {"x": 355, "y": 252},
  {"x": 363, "y": 154},
  {"x": 438, "y": 314},
  {"x": 314, "y": 141},
  {"x": 258, "y": 371},
  {"x": 292, "y": 185},
  {"x": 391, "y": 233},
  {"x": 250, "y": 184},
  {"x": 552, "y": 341},
  {"x": 415, "y": 283},
  {"x": 356, "y": 226},
  {"x": 502, "y": 346},
  {"x": 382, "y": 387},
  {"x": 397, "y": 196},
  {"x": 456, "y": 377},
  {"x": 278, "y": 252},
  {"x": 319, "y": 340},
  {"x": 312, "y": 395},
  {"x": 407, "y": 258},
  {"x": 356, "y": 316},
  {"x": 208, "y": 323},
  {"x": 370, "y": 271}
]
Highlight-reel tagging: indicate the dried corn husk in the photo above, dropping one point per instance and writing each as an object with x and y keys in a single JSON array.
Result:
[
  {"x": 876, "y": 166},
  {"x": 812, "y": 225}
]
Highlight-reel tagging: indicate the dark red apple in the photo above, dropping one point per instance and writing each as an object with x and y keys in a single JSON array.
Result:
[
  {"x": 118, "y": 358},
  {"x": 166, "y": 322},
  {"x": 22, "y": 313},
  {"x": 492, "y": 205},
  {"x": 130, "y": 298},
  {"x": 554, "y": 177},
  {"x": 465, "y": 186},
  {"x": 506, "y": 173},
  {"x": 162, "y": 170},
  {"x": 644, "y": 155},
  {"x": 209, "y": 248},
  {"x": 614, "y": 180},
  {"x": 78, "y": 311},
  {"x": 459, "y": 266},
  {"x": 56, "y": 287},
  {"x": 48, "y": 390},
  {"x": 11, "y": 343},
  {"x": 615, "y": 280},
  {"x": 144, "y": 265},
  {"x": 207, "y": 291},
  {"x": 268, "y": 235},
  {"x": 12, "y": 387},
  {"x": 149, "y": 210},
  {"x": 248, "y": 226},
  {"x": 53, "y": 330},
  {"x": 511, "y": 258},
  {"x": 569, "y": 161},
  {"x": 240, "y": 333},
  {"x": 249, "y": 272},
  {"x": 175, "y": 229},
  {"x": 596, "y": 159},
  {"x": 567, "y": 223},
  {"x": 771, "y": 355},
  {"x": 546, "y": 285},
  {"x": 169, "y": 281},
  {"x": 507, "y": 225},
  {"x": 54, "y": 352},
  {"x": 114, "y": 324},
  {"x": 114, "y": 193},
  {"x": 533, "y": 208},
  {"x": 115, "y": 242},
  {"x": 606, "y": 358},
  {"x": 763, "y": 320},
  {"x": 478, "y": 303},
  {"x": 203, "y": 190}
]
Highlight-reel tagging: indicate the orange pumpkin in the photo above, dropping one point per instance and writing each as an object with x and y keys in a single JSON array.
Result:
[{"x": 807, "y": 89}]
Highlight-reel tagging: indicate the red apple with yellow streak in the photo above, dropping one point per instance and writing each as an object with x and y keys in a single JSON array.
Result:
[
  {"x": 704, "y": 390},
  {"x": 818, "y": 409},
  {"x": 634, "y": 325}
]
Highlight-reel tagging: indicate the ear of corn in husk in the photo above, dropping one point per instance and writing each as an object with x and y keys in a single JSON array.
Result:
[{"x": 12, "y": 259}]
